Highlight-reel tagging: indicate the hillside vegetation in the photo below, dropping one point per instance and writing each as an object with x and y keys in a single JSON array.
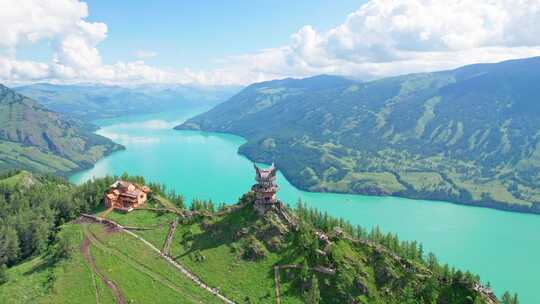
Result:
[
  {"x": 242, "y": 256},
  {"x": 36, "y": 139},
  {"x": 95, "y": 101},
  {"x": 470, "y": 135}
]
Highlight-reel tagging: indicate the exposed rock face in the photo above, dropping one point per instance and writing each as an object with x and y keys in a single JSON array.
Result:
[{"x": 254, "y": 250}]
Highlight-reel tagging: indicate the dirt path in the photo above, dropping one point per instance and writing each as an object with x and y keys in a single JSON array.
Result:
[
  {"x": 167, "y": 245},
  {"x": 104, "y": 215},
  {"x": 278, "y": 285},
  {"x": 85, "y": 250},
  {"x": 138, "y": 266},
  {"x": 193, "y": 277}
]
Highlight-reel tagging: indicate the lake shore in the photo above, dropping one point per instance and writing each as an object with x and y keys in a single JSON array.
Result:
[
  {"x": 208, "y": 166},
  {"x": 409, "y": 193}
]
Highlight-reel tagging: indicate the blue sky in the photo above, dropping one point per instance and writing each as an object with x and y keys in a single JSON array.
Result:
[
  {"x": 240, "y": 42},
  {"x": 199, "y": 33}
]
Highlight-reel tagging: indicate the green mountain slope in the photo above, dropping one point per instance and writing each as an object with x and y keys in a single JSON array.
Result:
[
  {"x": 37, "y": 139},
  {"x": 469, "y": 135},
  {"x": 90, "y": 102},
  {"x": 243, "y": 256}
]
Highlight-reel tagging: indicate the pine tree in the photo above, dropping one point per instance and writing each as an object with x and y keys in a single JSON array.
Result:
[
  {"x": 314, "y": 294},
  {"x": 408, "y": 296},
  {"x": 509, "y": 299},
  {"x": 430, "y": 292},
  {"x": 3, "y": 274},
  {"x": 9, "y": 245},
  {"x": 304, "y": 272},
  {"x": 432, "y": 261}
]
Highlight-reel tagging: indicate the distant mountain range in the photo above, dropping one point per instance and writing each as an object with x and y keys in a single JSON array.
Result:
[
  {"x": 37, "y": 139},
  {"x": 469, "y": 135},
  {"x": 95, "y": 101}
]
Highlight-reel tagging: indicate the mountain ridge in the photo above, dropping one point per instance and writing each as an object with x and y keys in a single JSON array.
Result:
[
  {"x": 468, "y": 135},
  {"x": 38, "y": 139},
  {"x": 92, "y": 101}
]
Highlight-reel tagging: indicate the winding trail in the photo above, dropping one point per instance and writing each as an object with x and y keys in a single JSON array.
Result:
[{"x": 113, "y": 287}]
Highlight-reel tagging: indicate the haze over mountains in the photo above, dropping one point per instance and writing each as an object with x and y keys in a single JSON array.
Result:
[
  {"x": 469, "y": 135},
  {"x": 37, "y": 139},
  {"x": 95, "y": 101}
]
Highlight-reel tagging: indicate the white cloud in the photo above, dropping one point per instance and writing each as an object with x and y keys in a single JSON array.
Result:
[
  {"x": 142, "y": 54},
  {"x": 29, "y": 21},
  {"x": 386, "y": 37},
  {"x": 381, "y": 38},
  {"x": 74, "y": 40}
]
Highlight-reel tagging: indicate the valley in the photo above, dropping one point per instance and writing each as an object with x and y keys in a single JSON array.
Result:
[
  {"x": 270, "y": 152},
  {"x": 94, "y": 101}
]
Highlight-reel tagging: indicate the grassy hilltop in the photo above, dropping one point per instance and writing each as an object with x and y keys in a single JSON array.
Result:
[
  {"x": 469, "y": 135},
  {"x": 244, "y": 257}
]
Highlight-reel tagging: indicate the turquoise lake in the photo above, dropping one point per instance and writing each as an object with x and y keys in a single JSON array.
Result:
[{"x": 502, "y": 247}]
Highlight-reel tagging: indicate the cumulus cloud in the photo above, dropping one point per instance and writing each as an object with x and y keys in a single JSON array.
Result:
[
  {"x": 389, "y": 37},
  {"x": 381, "y": 38},
  {"x": 74, "y": 41}
]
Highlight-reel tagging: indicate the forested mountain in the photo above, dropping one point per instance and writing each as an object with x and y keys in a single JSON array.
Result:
[
  {"x": 245, "y": 257},
  {"x": 94, "y": 101},
  {"x": 37, "y": 139},
  {"x": 469, "y": 135}
]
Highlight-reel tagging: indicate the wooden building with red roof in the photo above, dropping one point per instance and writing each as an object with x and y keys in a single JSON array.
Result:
[{"x": 125, "y": 196}]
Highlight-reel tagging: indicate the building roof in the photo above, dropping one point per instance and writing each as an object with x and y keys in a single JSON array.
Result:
[
  {"x": 133, "y": 194},
  {"x": 268, "y": 174},
  {"x": 122, "y": 184},
  {"x": 126, "y": 190}
]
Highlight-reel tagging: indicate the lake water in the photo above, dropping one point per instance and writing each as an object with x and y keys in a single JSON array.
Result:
[{"x": 502, "y": 247}]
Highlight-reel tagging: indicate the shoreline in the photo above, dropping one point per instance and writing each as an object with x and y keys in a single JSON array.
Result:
[
  {"x": 416, "y": 196},
  {"x": 437, "y": 226}
]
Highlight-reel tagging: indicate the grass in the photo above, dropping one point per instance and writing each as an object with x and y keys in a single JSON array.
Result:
[
  {"x": 141, "y": 273},
  {"x": 424, "y": 181},
  {"x": 386, "y": 182},
  {"x": 143, "y": 218},
  {"x": 68, "y": 281},
  {"x": 219, "y": 250},
  {"x": 221, "y": 264},
  {"x": 16, "y": 179},
  {"x": 17, "y": 155}
]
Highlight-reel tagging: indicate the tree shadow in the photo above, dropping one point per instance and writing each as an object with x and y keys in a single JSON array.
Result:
[{"x": 41, "y": 266}]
